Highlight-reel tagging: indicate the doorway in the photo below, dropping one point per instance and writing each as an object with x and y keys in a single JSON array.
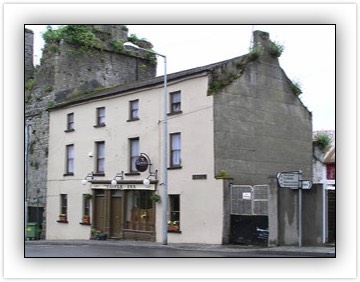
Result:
[{"x": 108, "y": 212}]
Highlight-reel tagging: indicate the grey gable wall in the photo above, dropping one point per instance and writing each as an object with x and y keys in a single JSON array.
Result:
[{"x": 261, "y": 127}]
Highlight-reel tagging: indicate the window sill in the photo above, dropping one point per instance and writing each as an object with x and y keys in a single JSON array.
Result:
[
  {"x": 68, "y": 174},
  {"x": 99, "y": 174},
  {"x": 132, "y": 173},
  {"x": 82, "y": 223},
  {"x": 69, "y": 130},
  {"x": 174, "y": 231},
  {"x": 175, "y": 167},
  {"x": 174, "y": 113},
  {"x": 133, "y": 119},
  {"x": 62, "y": 221},
  {"x": 100, "y": 125}
]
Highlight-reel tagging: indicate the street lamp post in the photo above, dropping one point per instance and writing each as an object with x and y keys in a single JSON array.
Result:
[{"x": 164, "y": 198}]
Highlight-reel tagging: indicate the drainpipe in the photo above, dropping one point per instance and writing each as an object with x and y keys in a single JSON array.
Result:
[{"x": 324, "y": 204}]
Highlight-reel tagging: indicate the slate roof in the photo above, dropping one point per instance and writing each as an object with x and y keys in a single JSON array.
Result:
[{"x": 118, "y": 90}]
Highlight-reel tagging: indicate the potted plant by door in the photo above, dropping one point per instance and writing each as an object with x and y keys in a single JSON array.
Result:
[
  {"x": 155, "y": 197},
  {"x": 97, "y": 235}
]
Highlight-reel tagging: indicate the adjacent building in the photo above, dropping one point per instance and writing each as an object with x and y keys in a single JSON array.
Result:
[{"x": 231, "y": 124}]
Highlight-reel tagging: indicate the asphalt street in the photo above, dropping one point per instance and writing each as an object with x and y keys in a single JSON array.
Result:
[{"x": 89, "y": 249}]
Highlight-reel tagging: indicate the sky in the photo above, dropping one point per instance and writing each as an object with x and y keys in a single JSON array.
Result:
[{"x": 308, "y": 57}]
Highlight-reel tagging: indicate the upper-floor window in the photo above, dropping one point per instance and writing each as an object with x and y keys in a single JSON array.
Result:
[
  {"x": 70, "y": 122},
  {"x": 175, "y": 150},
  {"x": 100, "y": 116},
  {"x": 100, "y": 157},
  {"x": 134, "y": 110},
  {"x": 69, "y": 170},
  {"x": 134, "y": 153},
  {"x": 175, "y": 102}
]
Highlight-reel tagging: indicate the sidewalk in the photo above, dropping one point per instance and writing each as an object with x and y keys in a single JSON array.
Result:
[{"x": 325, "y": 250}]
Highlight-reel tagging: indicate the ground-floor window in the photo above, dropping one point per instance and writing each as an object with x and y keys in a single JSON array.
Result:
[
  {"x": 174, "y": 205},
  {"x": 86, "y": 208},
  {"x": 139, "y": 210},
  {"x": 63, "y": 208}
]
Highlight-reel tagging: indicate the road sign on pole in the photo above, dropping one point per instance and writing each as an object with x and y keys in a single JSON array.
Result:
[
  {"x": 306, "y": 184},
  {"x": 288, "y": 179}
]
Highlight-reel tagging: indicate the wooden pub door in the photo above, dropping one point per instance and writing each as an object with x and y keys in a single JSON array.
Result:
[{"x": 108, "y": 212}]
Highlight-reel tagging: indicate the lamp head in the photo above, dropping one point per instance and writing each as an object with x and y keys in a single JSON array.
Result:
[{"x": 146, "y": 182}]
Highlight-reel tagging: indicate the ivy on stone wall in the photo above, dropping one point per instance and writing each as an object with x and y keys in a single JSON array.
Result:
[{"x": 78, "y": 35}]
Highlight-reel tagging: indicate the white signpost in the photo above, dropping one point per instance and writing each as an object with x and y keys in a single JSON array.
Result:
[
  {"x": 293, "y": 180},
  {"x": 288, "y": 179},
  {"x": 306, "y": 184}
]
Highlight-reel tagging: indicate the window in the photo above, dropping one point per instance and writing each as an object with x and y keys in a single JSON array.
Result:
[
  {"x": 175, "y": 150},
  {"x": 70, "y": 123},
  {"x": 330, "y": 171},
  {"x": 86, "y": 204},
  {"x": 100, "y": 157},
  {"x": 69, "y": 160},
  {"x": 134, "y": 110},
  {"x": 139, "y": 210},
  {"x": 175, "y": 102},
  {"x": 100, "y": 117},
  {"x": 86, "y": 209},
  {"x": 63, "y": 205},
  {"x": 134, "y": 153},
  {"x": 174, "y": 220}
]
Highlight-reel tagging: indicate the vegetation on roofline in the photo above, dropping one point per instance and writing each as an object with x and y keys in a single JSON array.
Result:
[
  {"x": 276, "y": 49},
  {"x": 296, "y": 87},
  {"x": 323, "y": 140},
  {"x": 83, "y": 37},
  {"x": 255, "y": 52},
  {"x": 79, "y": 35}
]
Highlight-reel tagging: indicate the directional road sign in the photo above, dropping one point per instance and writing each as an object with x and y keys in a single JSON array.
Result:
[
  {"x": 306, "y": 184},
  {"x": 288, "y": 179}
]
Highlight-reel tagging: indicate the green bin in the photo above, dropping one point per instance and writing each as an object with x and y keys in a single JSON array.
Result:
[{"x": 31, "y": 230}]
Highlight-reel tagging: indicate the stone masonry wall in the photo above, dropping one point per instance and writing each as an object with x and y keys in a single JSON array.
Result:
[
  {"x": 29, "y": 46},
  {"x": 65, "y": 74}
]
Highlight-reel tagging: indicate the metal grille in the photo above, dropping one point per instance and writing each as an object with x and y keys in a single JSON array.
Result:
[
  {"x": 260, "y": 200},
  {"x": 249, "y": 200},
  {"x": 240, "y": 202}
]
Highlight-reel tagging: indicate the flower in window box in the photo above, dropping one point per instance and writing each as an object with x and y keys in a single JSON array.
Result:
[
  {"x": 173, "y": 225},
  {"x": 86, "y": 219},
  {"x": 62, "y": 217}
]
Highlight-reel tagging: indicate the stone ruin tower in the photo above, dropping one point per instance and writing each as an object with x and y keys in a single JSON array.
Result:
[{"x": 69, "y": 70}]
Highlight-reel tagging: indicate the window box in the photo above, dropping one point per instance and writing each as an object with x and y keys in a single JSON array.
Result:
[
  {"x": 63, "y": 218},
  {"x": 85, "y": 220}
]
